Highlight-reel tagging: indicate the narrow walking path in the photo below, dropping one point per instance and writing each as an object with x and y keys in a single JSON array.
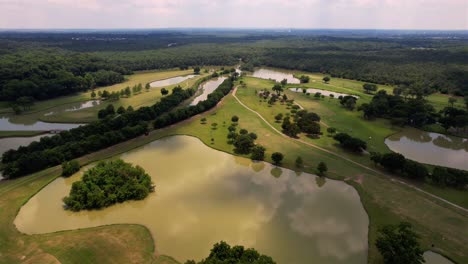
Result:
[{"x": 343, "y": 157}]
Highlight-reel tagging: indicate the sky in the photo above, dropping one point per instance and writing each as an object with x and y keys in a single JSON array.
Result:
[{"x": 310, "y": 14}]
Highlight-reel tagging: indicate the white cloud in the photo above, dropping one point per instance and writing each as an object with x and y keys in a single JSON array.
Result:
[{"x": 400, "y": 14}]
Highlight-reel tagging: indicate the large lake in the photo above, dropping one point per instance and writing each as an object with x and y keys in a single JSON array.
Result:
[
  {"x": 276, "y": 75},
  {"x": 204, "y": 196},
  {"x": 207, "y": 88},
  {"x": 171, "y": 81},
  {"x": 431, "y": 148}
]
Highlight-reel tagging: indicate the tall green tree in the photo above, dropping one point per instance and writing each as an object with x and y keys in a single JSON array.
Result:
[{"x": 398, "y": 244}]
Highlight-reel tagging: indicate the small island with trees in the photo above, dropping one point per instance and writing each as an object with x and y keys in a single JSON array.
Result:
[{"x": 108, "y": 183}]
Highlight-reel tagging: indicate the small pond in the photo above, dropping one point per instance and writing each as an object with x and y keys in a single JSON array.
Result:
[
  {"x": 276, "y": 75},
  {"x": 27, "y": 124},
  {"x": 16, "y": 142},
  {"x": 434, "y": 258},
  {"x": 207, "y": 88},
  {"x": 171, "y": 81},
  {"x": 204, "y": 196},
  {"x": 73, "y": 107},
  {"x": 312, "y": 92},
  {"x": 430, "y": 148}
]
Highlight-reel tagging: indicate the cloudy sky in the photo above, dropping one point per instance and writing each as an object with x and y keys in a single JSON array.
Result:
[{"x": 368, "y": 14}]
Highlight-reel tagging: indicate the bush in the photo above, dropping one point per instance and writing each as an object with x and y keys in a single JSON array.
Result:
[
  {"x": 350, "y": 143},
  {"x": 70, "y": 167}
]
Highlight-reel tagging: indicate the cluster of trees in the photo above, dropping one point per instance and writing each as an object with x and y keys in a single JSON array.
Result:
[
  {"x": 43, "y": 73},
  {"x": 222, "y": 252},
  {"x": 440, "y": 176},
  {"x": 212, "y": 100},
  {"x": 304, "y": 121},
  {"x": 398, "y": 244},
  {"x": 244, "y": 142},
  {"x": 67, "y": 145},
  {"x": 350, "y": 143},
  {"x": 369, "y": 87},
  {"x": 455, "y": 119},
  {"x": 411, "y": 111},
  {"x": 304, "y": 79},
  {"x": 108, "y": 183}
]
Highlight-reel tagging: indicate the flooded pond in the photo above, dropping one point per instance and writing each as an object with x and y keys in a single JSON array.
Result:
[
  {"x": 434, "y": 258},
  {"x": 207, "y": 88},
  {"x": 73, "y": 107},
  {"x": 278, "y": 76},
  {"x": 204, "y": 196},
  {"x": 16, "y": 142},
  {"x": 171, "y": 81},
  {"x": 27, "y": 124},
  {"x": 430, "y": 148},
  {"x": 312, "y": 91}
]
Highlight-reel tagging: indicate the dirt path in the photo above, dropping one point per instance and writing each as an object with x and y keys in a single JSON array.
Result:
[{"x": 343, "y": 157}]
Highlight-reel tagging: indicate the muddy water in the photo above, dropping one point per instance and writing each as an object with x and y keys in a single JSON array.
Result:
[
  {"x": 171, "y": 81},
  {"x": 431, "y": 148},
  {"x": 204, "y": 196},
  {"x": 207, "y": 88},
  {"x": 312, "y": 91},
  {"x": 20, "y": 123},
  {"x": 278, "y": 76}
]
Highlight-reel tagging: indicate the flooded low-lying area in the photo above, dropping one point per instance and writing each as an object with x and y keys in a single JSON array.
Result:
[
  {"x": 207, "y": 88},
  {"x": 16, "y": 142},
  {"x": 171, "y": 81},
  {"x": 73, "y": 107},
  {"x": 276, "y": 75},
  {"x": 434, "y": 258},
  {"x": 22, "y": 124},
  {"x": 204, "y": 196},
  {"x": 313, "y": 91},
  {"x": 430, "y": 148}
]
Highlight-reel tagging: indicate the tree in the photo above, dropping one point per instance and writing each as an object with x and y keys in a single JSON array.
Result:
[
  {"x": 235, "y": 119},
  {"x": 304, "y": 79},
  {"x": 278, "y": 117},
  {"x": 214, "y": 125},
  {"x": 348, "y": 101},
  {"x": 120, "y": 110},
  {"x": 258, "y": 153},
  {"x": 196, "y": 70},
  {"x": 284, "y": 82},
  {"x": 203, "y": 120},
  {"x": 25, "y": 101},
  {"x": 466, "y": 101},
  {"x": 128, "y": 92},
  {"x": 243, "y": 144},
  {"x": 299, "y": 162},
  {"x": 392, "y": 161},
  {"x": 222, "y": 252},
  {"x": 398, "y": 244},
  {"x": 147, "y": 87},
  {"x": 369, "y": 88},
  {"x": 129, "y": 108},
  {"x": 93, "y": 94},
  {"x": 277, "y": 88},
  {"x": 277, "y": 157},
  {"x": 164, "y": 91},
  {"x": 331, "y": 130},
  {"x": 452, "y": 101},
  {"x": 70, "y": 167},
  {"x": 326, "y": 79},
  {"x": 322, "y": 168}
]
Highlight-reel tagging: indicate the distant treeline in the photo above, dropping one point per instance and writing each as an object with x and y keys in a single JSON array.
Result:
[
  {"x": 51, "y": 151},
  {"x": 44, "y": 73}
]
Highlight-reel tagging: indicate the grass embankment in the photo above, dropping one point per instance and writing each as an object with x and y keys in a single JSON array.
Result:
[
  {"x": 4, "y": 134},
  {"x": 385, "y": 201}
]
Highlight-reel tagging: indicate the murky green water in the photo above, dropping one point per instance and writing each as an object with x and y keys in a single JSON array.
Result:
[
  {"x": 171, "y": 81},
  {"x": 431, "y": 148},
  {"x": 434, "y": 258},
  {"x": 204, "y": 196},
  {"x": 207, "y": 88},
  {"x": 278, "y": 76}
]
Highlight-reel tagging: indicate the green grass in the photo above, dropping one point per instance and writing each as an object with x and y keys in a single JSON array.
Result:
[{"x": 385, "y": 201}]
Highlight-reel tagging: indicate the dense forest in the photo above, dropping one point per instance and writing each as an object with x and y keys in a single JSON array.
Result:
[{"x": 64, "y": 62}]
